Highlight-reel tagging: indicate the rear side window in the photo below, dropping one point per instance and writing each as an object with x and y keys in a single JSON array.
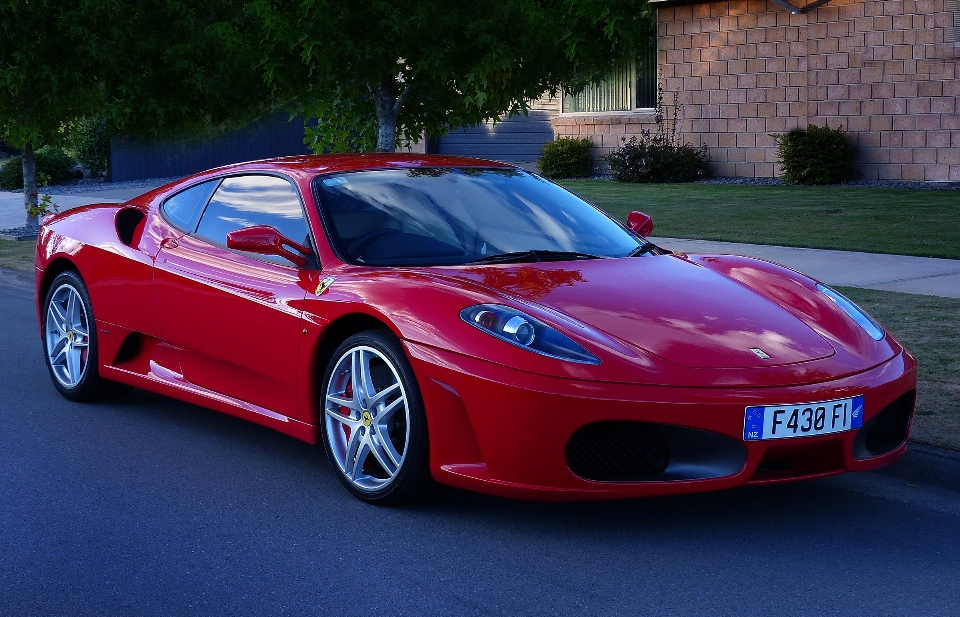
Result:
[
  {"x": 184, "y": 208},
  {"x": 246, "y": 201}
]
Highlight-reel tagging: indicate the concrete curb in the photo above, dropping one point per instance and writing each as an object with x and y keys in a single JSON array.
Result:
[
  {"x": 926, "y": 465},
  {"x": 16, "y": 278}
]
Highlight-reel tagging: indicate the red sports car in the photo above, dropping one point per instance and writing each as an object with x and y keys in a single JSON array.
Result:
[{"x": 461, "y": 321}]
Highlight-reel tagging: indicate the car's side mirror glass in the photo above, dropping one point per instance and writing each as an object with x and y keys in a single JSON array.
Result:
[
  {"x": 640, "y": 223},
  {"x": 266, "y": 240}
]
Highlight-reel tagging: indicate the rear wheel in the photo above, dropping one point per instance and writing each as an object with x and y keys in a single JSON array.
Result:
[
  {"x": 70, "y": 341},
  {"x": 374, "y": 427}
]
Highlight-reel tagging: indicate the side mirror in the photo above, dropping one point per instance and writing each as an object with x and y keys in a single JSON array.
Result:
[
  {"x": 640, "y": 223},
  {"x": 266, "y": 240}
]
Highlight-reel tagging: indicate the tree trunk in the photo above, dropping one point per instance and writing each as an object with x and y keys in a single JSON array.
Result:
[
  {"x": 30, "y": 187},
  {"x": 388, "y": 106}
]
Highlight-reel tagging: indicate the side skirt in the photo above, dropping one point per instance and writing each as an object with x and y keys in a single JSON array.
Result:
[{"x": 169, "y": 383}]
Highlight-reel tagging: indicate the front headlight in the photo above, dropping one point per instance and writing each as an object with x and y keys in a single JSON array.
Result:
[
  {"x": 524, "y": 331},
  {"x": 856, "y": 313}
]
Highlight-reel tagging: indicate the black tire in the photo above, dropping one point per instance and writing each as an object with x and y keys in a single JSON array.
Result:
[
  {"x": 376, "y": 422},
  {"x": 90, "y": 386}
]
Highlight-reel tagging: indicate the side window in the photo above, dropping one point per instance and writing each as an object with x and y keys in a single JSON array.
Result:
[
  {"x": 246, "y": 201},
  {"x": 184, "y": 208}
]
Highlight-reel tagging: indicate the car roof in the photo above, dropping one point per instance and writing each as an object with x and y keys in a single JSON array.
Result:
[
  {"x": 326, "y": 163},
  {"x": 305, "y": 167}
]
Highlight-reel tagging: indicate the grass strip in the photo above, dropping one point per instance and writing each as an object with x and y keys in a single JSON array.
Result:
[
  {"x": 898, "y": 221},
  {"x": 17, "y": 255},
  {"x": 929, "y": 327}
]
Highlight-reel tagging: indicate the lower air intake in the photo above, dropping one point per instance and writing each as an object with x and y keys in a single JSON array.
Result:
[
  {"x": 617, "y": 451},
  {"x": 887, "y": 430}
]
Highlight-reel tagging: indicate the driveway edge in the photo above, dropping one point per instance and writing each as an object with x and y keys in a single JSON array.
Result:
[{"x": 926, "y": 465}]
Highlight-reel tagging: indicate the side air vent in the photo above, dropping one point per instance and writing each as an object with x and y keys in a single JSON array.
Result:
[{"x": 129, "y": 225}]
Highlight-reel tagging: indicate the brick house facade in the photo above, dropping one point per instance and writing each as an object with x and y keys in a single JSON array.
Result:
[{"x": 885, "y": 70}]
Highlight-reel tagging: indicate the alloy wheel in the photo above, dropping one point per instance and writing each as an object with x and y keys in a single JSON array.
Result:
[
  {"x": 67, "y": 336},
  {"x": 367, "y": 418}
]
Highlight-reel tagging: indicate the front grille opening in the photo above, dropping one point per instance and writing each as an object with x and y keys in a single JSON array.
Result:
[
  {"x": 617, "y": 451},
  {"x": 796, "y": 460},
  {"x": 776, "y": 465},
  {"x": 887, "y": 430}
]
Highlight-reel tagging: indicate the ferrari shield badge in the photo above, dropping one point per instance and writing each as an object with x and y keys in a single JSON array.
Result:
[{"x": 324, "y": 285}]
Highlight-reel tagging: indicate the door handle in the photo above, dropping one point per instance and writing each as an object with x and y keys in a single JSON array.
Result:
[{"x": 169, "y": 243}]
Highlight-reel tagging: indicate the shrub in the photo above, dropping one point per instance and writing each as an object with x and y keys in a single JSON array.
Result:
[
  {"x": 659, "y": 157},
  {"x": 53, "y": 167},
  {"x": 651, "y": 158},
  {"x": 817, "y": 155},
  {"x": 89, "y": 137},
  {"x": 11, "y": 176},
  {"x": 567, "y": 157}
]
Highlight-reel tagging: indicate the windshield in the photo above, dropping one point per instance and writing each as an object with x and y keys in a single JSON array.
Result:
[{"x": 447, "y": 216}]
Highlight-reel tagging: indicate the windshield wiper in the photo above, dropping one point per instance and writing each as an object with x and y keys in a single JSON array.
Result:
[
  {"x": 643, "y": 249},
  {"x": 534, "y": 255}
]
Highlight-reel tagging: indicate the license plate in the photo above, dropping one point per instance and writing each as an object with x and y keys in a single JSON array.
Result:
[{"x": 802, "y": 420}]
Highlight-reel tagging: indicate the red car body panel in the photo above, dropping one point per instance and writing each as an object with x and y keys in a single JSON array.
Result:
[{"x": 226, "y": 330}]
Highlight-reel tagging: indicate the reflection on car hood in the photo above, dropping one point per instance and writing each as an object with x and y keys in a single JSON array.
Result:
[{"x": 679, "y": 311}]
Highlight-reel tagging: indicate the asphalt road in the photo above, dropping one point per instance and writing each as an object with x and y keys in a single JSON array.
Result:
[{"x": 148, "y": 506}]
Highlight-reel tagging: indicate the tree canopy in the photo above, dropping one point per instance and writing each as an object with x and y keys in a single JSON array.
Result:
[{"x": 363, "y": 69}]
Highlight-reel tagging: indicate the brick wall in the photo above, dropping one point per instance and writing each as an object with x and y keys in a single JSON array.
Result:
[{"x": 884, "y": 70}]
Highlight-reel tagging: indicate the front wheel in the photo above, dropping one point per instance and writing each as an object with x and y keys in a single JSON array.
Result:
[
  {"x": 374, "y": 426},
  {"x": 70, "y": 341}
]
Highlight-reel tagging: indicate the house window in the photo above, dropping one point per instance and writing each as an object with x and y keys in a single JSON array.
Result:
[
  {"x": 952, "y": 33},
  {"x": 632, "y": 84}
]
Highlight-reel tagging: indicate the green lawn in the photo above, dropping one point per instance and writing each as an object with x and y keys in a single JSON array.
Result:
[
  {"x": 905, "y": 222},
  {"x": 17, "y": 255},
  {"x": 930, "y": 328}
]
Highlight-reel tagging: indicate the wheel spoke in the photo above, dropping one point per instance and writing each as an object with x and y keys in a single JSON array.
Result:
[
  {"x": 74, "y": 365},
  {"x": 349, "y": 403},
  {"x": 382, "y": 394},
  {"x": 350, "y": 422},
  {"x": 362, "y": 380},
  {"x": 361, "y": 456},
  {"x": 71, "y": 317},
  {"x": 56, "y": 315},
  {"x": 388, "y": 411},
  {"x": 59, "y": 354},
  {"x": 383, "y": 449}
]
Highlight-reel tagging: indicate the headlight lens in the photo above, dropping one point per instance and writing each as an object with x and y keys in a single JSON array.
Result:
[
  {"x": 856, "y": 313},
  {"x": 524, "y": 331}
]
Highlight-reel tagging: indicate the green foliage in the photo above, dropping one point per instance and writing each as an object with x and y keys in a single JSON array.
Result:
[
  {"x": 164, "y": 68},
  {"x": 53, "y": 167},
  {"x": 566, "y": 157},
  {"x": 88, "y": 143},
  {"x": 817, "y": 155},
  {"x": 660, "y": 157},
  {"x": 11, "y": 174},
  {"x": 44, "y": 71},
  {"x": 363, "y": 69}
]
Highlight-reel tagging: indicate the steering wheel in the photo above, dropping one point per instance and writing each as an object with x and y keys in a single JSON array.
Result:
[{"x": 357, "y": 247}]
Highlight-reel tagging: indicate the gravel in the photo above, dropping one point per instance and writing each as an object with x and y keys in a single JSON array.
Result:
[{"x": 91, "y": 185}]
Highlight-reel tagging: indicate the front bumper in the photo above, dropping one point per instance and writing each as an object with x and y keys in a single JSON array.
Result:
[{"x": 504, "y": 432}]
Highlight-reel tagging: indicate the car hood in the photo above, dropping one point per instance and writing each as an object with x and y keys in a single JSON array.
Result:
[{"x": 680, "y": 311}]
